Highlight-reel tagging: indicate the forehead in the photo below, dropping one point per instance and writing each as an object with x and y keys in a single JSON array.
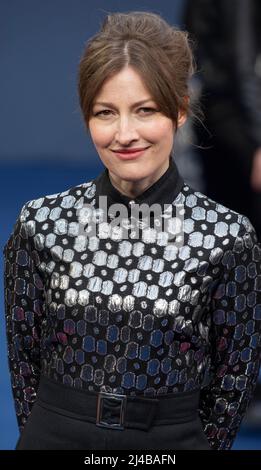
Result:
[{"x": 126, "y": 84}]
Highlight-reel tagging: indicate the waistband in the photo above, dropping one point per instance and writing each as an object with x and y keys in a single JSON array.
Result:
[{"x": 117, "y": 411}]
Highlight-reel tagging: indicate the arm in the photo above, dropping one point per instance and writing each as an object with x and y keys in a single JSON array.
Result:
[
  {"x": 234, "y": 340},
  {"x": 24, "y": 296}
]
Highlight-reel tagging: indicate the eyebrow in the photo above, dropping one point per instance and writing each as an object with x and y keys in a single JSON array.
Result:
[{"x": 112, "y": 105}]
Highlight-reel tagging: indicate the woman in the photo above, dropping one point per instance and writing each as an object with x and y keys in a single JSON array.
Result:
[{"x": 149, "y": 325}]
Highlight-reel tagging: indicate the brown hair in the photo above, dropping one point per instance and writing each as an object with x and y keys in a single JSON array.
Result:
[{"x": 160, "y": 53}]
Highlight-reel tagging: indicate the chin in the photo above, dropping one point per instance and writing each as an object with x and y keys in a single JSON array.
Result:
[{"x": 132, "y": 174}]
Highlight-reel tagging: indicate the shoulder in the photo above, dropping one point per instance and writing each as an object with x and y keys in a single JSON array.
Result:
[
  {"x": 50, "y": 207},
  {"x": 40, "y": 214},
  {"x": 217, "y": 224}
]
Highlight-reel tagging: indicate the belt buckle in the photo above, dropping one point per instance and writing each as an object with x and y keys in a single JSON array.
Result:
[{"x": 110, "y": 401}]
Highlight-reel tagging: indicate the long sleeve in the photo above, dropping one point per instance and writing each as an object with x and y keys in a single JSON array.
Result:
[
  {"x": 235, "y": 341},
  {"x": 24, "y": 298}
]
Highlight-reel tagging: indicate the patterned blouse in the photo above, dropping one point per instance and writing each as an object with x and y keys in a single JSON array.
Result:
[{"x": 144, "y": 313}]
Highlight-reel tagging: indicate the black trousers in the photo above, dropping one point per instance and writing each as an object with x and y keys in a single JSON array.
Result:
[{"x": 53, "y": 426}]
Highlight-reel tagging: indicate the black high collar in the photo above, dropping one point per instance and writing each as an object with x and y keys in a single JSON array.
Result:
[{"x": 163, "y": 191}]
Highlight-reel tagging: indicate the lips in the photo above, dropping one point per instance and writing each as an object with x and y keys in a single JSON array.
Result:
[
  {"x": 130, "y": 154},
  {"x": 124, "y": 151}
]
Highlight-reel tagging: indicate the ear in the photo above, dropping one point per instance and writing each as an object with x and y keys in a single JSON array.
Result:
[{"x": 182, "y": 116}]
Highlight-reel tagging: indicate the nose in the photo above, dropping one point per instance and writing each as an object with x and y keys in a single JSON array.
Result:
[{"x": 126, "y": 131}]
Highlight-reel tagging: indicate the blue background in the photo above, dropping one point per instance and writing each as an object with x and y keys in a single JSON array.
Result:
[{"x": 44, "y": 146}]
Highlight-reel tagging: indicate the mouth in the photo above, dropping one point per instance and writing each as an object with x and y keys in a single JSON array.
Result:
[{"x": 130, "y": 154}]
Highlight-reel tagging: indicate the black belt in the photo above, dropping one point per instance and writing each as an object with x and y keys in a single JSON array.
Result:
[{"x": 116, "y": 411}]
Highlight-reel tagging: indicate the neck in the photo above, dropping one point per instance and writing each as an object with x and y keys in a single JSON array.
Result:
[{"x": 133, "y": 189}]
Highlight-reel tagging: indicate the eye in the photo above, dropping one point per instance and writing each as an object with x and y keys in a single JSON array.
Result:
[
  {"x": 106, "y": 112},
  {"x": 101, "y": 112},
  {"x": 150, "y": 110}
]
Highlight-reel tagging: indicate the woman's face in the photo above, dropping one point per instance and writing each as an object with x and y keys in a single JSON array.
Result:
[{"x": 121, "y": 123}]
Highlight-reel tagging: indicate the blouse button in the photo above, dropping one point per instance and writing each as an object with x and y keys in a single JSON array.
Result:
[{"x": 131, "y": 202}]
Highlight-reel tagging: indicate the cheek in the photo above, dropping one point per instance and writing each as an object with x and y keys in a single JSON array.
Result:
[
  {"x": 101, "y": 136},
  {"x": 162, "y": 131}
]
